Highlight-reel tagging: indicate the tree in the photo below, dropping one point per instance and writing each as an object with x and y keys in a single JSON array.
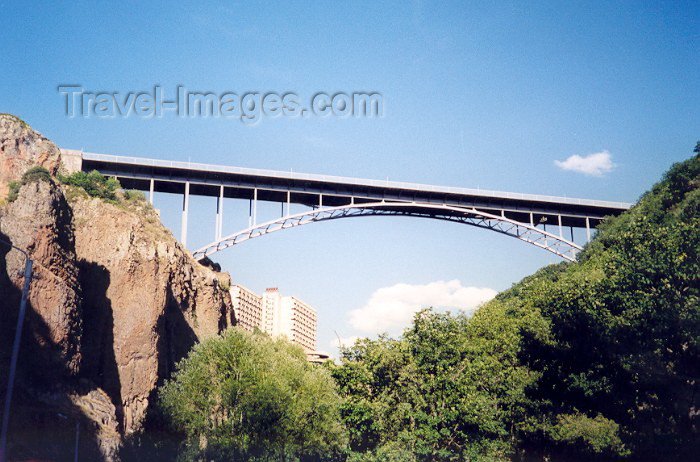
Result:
[
  {"x": 245, "y": 396},
  {"x": 447, "y": 390}
]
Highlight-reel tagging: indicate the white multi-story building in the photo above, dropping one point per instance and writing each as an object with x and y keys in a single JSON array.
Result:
[
  {"x": 301, "y": 324},
  {"x": 247, "y": 305},
  {"x": 276, "y": 315},
  {"x": 289, "y": 317},
  {"x": 272, "y": 317}
]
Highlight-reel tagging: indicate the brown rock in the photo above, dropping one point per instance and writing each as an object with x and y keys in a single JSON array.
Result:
[
  {"x": 22, "y": 148},
  {"x": 99, "y": 411},
  {"x": 40, "y": 222},
  {"x": 115, "y": 300},
  {"x": 147, "y": 301}
]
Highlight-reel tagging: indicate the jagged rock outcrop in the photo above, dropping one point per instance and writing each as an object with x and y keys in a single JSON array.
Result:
[
  {"x": 146, "y": 301},
  {"x": 40, "y": 221},
  {"x": 115, "y": 300},
  {"x": 21, "y": 148}
]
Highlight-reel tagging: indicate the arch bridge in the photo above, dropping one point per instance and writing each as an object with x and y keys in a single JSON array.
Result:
[{"x": 547, "y": 222}]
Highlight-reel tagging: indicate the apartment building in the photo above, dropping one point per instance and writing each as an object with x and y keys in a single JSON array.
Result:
[
  {"x": 247, "y": 305},
  {"x": 276, "y": 315}
]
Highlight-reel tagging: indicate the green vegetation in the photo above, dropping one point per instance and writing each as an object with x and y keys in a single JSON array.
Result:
[
  {"x": 244, "y": 396},
  {"x": 450, "y": 389},
  {"x": 595, "y": 360},
  {"x": 94, "y": 184},
  {"x": 30, "y": 176},
  {"x": 596, "y": 435},
  {"x": 134, "y": 195},
  {"x": 623, "y": 336},
  {"x": 599, "y": 359}
]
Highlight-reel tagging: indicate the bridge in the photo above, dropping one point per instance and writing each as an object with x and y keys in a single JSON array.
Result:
[{"x": 547, "y": 222}]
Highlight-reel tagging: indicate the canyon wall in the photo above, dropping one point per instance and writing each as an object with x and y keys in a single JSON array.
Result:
[{"x": 115, "y": 300}]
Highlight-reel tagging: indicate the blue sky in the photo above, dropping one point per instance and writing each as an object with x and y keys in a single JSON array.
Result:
[{"x": 485, "y": 94}]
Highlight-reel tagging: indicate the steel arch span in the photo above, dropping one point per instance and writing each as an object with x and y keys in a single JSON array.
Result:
[{"x": 465, "y": 215}]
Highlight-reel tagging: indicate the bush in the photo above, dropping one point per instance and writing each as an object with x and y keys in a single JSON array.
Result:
[
  {"x": 14, "y": 191},
  {"x": 134, "y": 195},
  {"x": 33, "y": 174},
  {"x": 36, "y": 173},
  {"x": 94, "y": 183}
]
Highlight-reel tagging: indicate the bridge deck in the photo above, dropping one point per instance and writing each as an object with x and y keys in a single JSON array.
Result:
[{"x": 302, "y": 188}]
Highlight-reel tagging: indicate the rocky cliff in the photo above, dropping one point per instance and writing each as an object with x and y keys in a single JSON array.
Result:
[
  {"x": 22, "y": 148},
  {"x": 115, "y": 300}
]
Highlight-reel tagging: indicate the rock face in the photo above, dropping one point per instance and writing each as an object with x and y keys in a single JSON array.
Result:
[
  {"x": 40, "y": 222},
  {"x": 21, "y": 148},
  {"x": 115, "y": 300},
  {"x": 146, "y": 301}
]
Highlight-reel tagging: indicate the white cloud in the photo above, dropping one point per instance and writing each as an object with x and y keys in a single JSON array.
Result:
[
  {"x": 595, "y": 164},
  {"x": 391, "y": 309}
]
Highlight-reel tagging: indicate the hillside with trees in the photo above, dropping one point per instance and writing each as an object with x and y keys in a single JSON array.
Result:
[{"x": 596, "y": 359}]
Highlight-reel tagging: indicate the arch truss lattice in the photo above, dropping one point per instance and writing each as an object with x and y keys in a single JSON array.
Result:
[{"x": 525, "y": 232}]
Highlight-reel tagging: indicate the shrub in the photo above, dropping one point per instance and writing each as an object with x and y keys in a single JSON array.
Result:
[
  {"x": 14, "y": 191},
  {"x": 36, "y": 173},
  {"x": 33, "y": 174},
  {"x": 134, "y": 195},
  {"x": 94, "y": 183}
]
